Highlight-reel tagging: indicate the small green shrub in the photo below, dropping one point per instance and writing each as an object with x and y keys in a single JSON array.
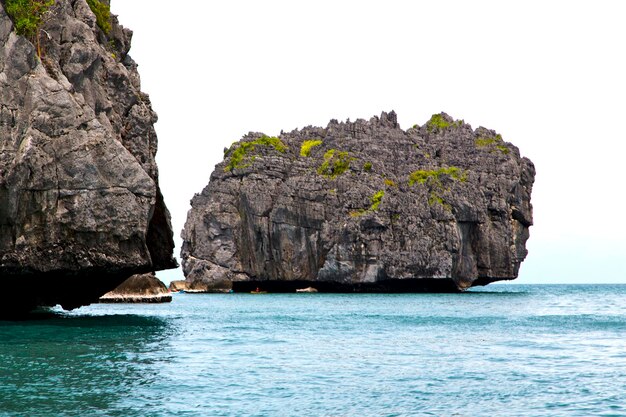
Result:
[
  {"x": 376, "y": 200},
  {"x": 335, "y": 163},
  {"x": 390, "y": 183},
  {"x": 357, "y": 213},
  {"x": 433, "y": 177},
  {"x": 421, "y": 176},
  {"x": 367, "y": 167},
  {"x": 239, "y": 155},
  {"x": 435, "y": 198},
  {"x": 495, "y": 142},
  {"x": 307, "y": 145},
  {"x": 438, "y": 122},
  {"x": 103, "y": 14},
  {"x": 503, "y": 148},
  {"x": 28, "y": 16}
]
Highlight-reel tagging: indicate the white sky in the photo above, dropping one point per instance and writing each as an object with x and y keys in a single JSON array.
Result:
[{"x": 550, "y": 76}]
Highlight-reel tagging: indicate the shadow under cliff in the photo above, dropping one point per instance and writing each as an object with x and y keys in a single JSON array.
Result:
[{"x": 424, "y": 285}]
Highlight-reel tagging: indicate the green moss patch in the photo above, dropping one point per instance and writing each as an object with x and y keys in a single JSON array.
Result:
[
  {"x": 375, "y": 201},
  {"x": 495, "y": 143},
  {"x": 435, "y": 198},
  {"x": 421, "y": 176},
  {"x": 357, "y": 213},
  {"x": 335, "y": 163},
  {"x": 240, "y": 157},
  {"x": 437, "y": 123},
  {"x": 433, "y": 179},
  {"x": 307, "y": 145}
]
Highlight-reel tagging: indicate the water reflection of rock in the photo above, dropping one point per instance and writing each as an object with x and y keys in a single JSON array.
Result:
[{"x": 88, "y": 365}]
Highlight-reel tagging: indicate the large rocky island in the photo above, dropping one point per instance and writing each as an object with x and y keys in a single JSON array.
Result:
[
  {"x": 362, "y": 206},
  {"x": 80, "y": 204}
]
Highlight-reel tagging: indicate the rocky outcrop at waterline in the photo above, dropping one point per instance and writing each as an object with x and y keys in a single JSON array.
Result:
[
  {"x": 80, "y": 205},
  {"x": 362, "y": 206},
  {"x": 140, "y": 288}
]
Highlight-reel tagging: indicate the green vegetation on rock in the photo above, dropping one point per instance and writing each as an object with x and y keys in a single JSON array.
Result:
[
  {"x": 495, "y": 142},
  {"x": 367, "y": 167},
  {"x": 433, "y": 178},
  {"x": 421, "y": 176},
  {"x": 438, "y": 122},
  {"x": 102, "y": 11},
  {"x": 28, "y": 16},
  {"x": 435, "y": 198},
  {"x": 335, "y": 163},
  {"x": 241, "y": 154},
  {"x": 357, "y": 213},
  {"x": 305, "y": 149},
  {"x": 376, "y": 199}
]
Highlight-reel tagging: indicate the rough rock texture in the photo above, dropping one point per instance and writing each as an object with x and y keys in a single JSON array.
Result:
[
  {"x": 140, "y": 288},
  {"x": 80, "y": 205},
  {"x": 193, "y": 287},
  {"x": 282, "y": 221}
]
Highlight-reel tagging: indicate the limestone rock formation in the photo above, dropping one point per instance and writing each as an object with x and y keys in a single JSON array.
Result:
[
  {"x": 140, "y": 288},
  {"x": 80, "y": 205},
  {"x": 362, "y": 206},
  {"x": 194, "y": 287}
]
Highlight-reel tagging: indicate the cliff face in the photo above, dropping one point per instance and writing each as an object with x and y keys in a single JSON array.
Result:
[
  {"x": 362, "y": 206},
  {"x": 80, "y": 205}
]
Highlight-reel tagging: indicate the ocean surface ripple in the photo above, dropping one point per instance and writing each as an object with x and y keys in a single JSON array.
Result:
[{"x": 502, "y": 350}]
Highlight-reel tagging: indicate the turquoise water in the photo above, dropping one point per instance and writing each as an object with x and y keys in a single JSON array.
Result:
[{"x": 505, "y": 350}]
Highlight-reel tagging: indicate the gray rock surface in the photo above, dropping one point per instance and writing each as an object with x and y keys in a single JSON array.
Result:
[
  {"x": 140, "y": 288},
  {"x": 80, "y": 205},
  {"x": 441, "y": 207}
]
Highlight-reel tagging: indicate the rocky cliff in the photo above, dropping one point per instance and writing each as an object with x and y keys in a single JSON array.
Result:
[
  {"x": 140, "y": 288},
  {"x": 362, "y": 206},
  {"x": 80, "y": 205}
]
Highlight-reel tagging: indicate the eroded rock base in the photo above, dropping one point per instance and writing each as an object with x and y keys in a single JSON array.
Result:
[
  {"x": 389, "y": 286},
  {"x": 140, "y": 288},
  {"x": 28, "y": 291}
]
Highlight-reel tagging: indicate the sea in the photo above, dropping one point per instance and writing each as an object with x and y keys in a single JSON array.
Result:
[{"x": 500, "y": 350}]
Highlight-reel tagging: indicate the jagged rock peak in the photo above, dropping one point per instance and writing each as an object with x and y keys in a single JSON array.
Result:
[
  {"x": 80, "y": 205},
  {"x": 362, "y": 206}
]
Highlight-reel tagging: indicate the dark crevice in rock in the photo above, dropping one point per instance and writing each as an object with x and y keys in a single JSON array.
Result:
[
  {"x": 159, "y": 238},
  {"x": 31, "y": 289}
]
